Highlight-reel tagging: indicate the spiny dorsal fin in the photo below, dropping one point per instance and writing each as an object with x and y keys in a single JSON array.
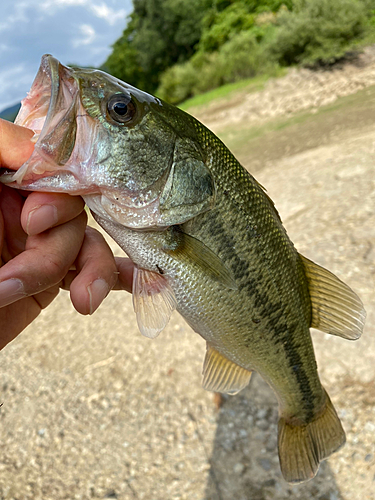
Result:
[
  {"x": 336, "y": 309},
  {"x": 197, "y": 253},
  {"x": 222, "y": 375},
  {"x": 153, "y": 301}
]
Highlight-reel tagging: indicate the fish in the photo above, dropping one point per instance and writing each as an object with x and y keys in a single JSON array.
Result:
[{"x": 205, "y": 238}]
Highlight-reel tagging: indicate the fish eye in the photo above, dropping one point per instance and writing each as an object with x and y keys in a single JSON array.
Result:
[{"x": 121, "y": 109}]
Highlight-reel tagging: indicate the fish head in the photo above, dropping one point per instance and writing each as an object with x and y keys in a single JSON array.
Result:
[{"x": 134, "y": 159}]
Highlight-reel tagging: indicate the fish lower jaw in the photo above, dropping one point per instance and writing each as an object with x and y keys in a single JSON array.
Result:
[{"x": 43, "y": 176}]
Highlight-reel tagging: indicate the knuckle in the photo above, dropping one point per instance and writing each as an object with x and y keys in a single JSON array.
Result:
[{"x": 54, "y": 268}]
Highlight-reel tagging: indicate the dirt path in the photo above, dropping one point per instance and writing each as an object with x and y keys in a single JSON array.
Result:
[{"x": 93, "y": 410}]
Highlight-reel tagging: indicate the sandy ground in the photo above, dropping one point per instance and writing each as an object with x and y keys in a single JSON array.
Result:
[{"x": 93, "y": 410}]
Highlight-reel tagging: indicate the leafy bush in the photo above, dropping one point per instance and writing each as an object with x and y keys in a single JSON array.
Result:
[
  {"x": 219, "y": 27},
  {"x": 268, "y": 5},
  {"x": 318, "y": 31},
  {"x": 177, "y": 83},
  {"x": 227, "y": 19},
  {"x": 241, "y": 57},
  {"x": 182, "y": 81}
]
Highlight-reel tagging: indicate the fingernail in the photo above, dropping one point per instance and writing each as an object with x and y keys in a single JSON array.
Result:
[
  {"x": 98, "y": 291},
  {"x": 10, "y": 291},
  {"x": 41, "y": 218}
]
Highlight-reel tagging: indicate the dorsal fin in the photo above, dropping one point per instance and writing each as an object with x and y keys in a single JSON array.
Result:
[
  {"x": 336, "y": 309},
  {"x": 222, "y": 375}
]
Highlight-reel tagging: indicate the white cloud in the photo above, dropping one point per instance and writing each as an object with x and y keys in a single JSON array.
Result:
[
  {"x": 18, "y": 16},
  {"x": 79, "y": 31},
  {"x": 102, "y": 10},
  {"x": 108, "y": 14},
  {"x": 48, "y": 4},
  {"x": 88, "y": 36},
  {"x": 20, "y": 11},
  {"x": 8, "y": 78}
]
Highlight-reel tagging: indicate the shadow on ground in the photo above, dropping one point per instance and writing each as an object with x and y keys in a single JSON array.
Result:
[{"x": 244, "y": 462}]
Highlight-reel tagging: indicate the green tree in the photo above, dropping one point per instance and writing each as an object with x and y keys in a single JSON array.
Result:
[
  {"x": 227, "y": 18},
  {"x": 159, "y": 34},
  {"x": 268, "y": 5},
  {"x": 183, "y": 47},
  {"x": 219, "y": 27}
]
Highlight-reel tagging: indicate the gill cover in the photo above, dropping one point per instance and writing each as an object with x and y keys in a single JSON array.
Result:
[{"x": 189, "y": 189}]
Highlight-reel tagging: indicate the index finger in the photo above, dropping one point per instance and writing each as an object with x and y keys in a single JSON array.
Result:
[
  {"x": 15, "y": 144},
  {"x": 44, "y": 263}
]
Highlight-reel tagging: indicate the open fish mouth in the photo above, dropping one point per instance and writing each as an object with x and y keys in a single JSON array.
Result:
[
  {"x": 38, "y": 108},
  {"x": 50, "y": 110},
  {"x": 67, "y": 110}
]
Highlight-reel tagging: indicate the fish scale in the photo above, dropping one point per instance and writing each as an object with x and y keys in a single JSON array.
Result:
[
  {"x": 205, "y": 239},
  {"x": 261, "y": 296}
]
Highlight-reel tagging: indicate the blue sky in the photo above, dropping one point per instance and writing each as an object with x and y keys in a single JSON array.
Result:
[{"x": 74, "y": 31}]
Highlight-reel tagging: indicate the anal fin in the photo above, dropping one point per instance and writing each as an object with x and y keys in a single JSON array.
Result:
[
  {"x": 336, "y": 309},
  {"x": 222, "y": 375},
  {"x": 153, "y": 301}
]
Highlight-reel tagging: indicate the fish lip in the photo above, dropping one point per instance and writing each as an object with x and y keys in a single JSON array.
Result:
[
  {"x": 58, "y": 76},
  {"x": 51, "y": 66}
]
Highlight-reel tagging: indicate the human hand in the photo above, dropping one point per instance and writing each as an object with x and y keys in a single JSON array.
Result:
[{"x": 42, "y": 235}]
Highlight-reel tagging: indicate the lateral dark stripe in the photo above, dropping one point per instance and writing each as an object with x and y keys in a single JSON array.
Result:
[{"x": 272, "y": 312}]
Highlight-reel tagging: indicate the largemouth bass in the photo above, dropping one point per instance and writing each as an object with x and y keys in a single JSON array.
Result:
[{"x": 205, "y": 238}]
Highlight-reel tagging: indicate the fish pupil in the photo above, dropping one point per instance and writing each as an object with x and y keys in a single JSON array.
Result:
[{"x": 120, "y": 108}]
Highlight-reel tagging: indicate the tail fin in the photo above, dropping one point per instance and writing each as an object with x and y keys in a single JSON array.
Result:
[{"x": 303, "y": 447}]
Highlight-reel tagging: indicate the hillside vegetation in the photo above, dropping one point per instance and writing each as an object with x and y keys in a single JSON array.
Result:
[{"x": 181, "y": 48}]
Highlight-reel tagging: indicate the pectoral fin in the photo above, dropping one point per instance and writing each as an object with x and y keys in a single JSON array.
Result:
[
  {"x": 191, "y": 250},
  {"x": 153, "y": 301},
  {"x": 222, "y": 375},
  {"x": 336, "y": 309}
]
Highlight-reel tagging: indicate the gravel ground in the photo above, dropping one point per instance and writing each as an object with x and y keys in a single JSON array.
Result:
[
  {"x": 93, "y": 410},
  {"x": 299, "y": 90}
]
